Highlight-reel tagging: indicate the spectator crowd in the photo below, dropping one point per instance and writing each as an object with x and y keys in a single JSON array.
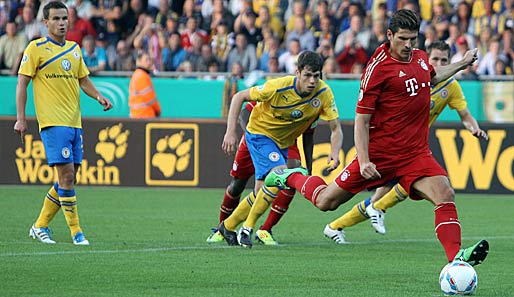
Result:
[{"x": 239, "y": 35}]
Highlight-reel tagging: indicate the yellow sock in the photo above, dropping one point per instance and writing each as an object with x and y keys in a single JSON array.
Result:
[
  {"x": 50, "y": 207},
  {"x": 240, "y": 213},
  {"x": 69, "y": 208},
  {"x": 402, "y": 193},
  {"x": 397, "y": 194},
  {"x": 264, "y": 199},
  {"x": 356, "y": 215}
]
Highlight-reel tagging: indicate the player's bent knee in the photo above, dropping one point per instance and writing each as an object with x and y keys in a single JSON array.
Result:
[
  {"x": 322, "y": 207},
  {"x": 449, "y": 194},
  {"x": 446, "y": 194},
  {"x": 331, "y": 197},
  {"x": 326, "y": 204},
  {"x": 67, "y": 180}
]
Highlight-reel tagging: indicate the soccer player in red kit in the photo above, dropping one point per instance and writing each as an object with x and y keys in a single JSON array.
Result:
[{"x": 391, "y": 138}]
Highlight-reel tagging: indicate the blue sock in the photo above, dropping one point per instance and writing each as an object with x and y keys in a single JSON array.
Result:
[{"x": 367, "y": 201}]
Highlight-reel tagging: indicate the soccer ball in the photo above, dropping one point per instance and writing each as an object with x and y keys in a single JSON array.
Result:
[{"x": 458, "y": 278}]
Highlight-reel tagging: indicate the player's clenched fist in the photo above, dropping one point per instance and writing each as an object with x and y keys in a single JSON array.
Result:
[{"x": 369, "y": 170}]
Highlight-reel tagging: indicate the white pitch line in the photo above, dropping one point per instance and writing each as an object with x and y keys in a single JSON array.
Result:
[
  {"x": 144, "y": 250},
  {"x": 223, "y": 246}
]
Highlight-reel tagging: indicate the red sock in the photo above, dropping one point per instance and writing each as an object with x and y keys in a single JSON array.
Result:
[
  {"x": 228, "y": 205},
  {"x": 308, "y": 185},
  {"x": 447, "y": 228},
  {"x": 278, "y": 208}
]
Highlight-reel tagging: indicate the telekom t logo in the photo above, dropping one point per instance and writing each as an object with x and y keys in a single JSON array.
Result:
[{"x": 412, "y": 86}]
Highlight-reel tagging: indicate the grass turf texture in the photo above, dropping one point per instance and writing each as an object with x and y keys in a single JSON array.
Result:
[{"x": 151, "y": 242}]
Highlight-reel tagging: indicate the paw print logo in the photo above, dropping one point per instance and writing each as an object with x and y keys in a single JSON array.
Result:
[
  {"x": 173, "y": 154},
  {"x": 112, "y": 143}
]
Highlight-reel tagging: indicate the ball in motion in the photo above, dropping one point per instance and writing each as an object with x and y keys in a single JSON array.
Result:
[{"x": 458, "y": 278}]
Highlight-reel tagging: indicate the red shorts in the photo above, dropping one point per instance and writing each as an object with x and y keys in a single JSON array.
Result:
[
  {"x": 293, "y": 153},
  {"x": 242, "y": 168},
  {"x": 406, "y": 172}
]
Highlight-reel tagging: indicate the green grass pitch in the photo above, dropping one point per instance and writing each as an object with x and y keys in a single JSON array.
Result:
[{"x": 151, "y": 242}]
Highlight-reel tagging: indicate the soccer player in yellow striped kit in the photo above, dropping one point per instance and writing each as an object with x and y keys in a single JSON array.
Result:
[
  {"x": 445, "y": 93},
  {"x": 57, "y": 71},
  {"x": 287, "y": 107}
]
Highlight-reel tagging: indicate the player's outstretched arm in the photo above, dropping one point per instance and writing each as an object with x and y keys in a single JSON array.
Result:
[
  {"x": 308, "y": 148},
  {"x": 89, "y": 88},
  {"x": 444, "y": 72},
  {"x": 336, "y": 144},
  {"x": 230, "y": 141},
  {"x": 361, "y": 134},
  {"x": 20, "y": 126},
  {"x": 471, "y": 124},
  {"x": 244, "y": 118}
]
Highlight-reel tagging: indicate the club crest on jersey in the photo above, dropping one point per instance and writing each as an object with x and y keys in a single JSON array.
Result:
[
  {"x": 345, "y": 175},
  {"x": 296, "y": 114},
  {"x": 423, "y": 64},
  {"x": 76, "y": 55},
  {"x": 66, "y": 64},
  {"x": 274, "y": 156},
  {"x": 65, "y": 152},
  {"x": 315, "y": 102},
  {"x": 333, "y": 106},
  {"x": 24, "y": 59},
  {"x": 444, "y": 93}
]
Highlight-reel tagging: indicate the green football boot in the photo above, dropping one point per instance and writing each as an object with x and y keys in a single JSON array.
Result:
[
  {"x": 265, "y": 237},
  {"x": 474, "y": 254},
  {"x": 215, "y": 237},
  {"x": 278, "y": 177}
]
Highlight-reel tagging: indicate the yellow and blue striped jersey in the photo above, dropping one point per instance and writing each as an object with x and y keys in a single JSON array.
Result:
[
  {"x": 284, "y": 114},
  {"x": 55, "y": 69},
  {"x": 445, "y": 93}
]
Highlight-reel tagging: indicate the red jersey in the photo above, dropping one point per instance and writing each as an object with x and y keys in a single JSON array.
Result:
[
  {"x": 187, "y": 38},
  {"x": 397, "y": 95},
  {"x": 80, "y": 29}
]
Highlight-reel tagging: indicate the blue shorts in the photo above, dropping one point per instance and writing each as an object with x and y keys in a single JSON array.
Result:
[
  {"x": 265, "y": 153},
  {"x": 62, "y": 145}
]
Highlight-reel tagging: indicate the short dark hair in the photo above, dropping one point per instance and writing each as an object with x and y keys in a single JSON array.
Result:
[
  {"x": 174, "y": 33},
  {"x": 52, "y": 5},
  {"x": 212, "y": 61},
  {"x": 439, "y": 45},
  {"x": 404, "y": 19},
  {"x": 294, "y": 40},
  {"x": 311, "y": 59}
]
